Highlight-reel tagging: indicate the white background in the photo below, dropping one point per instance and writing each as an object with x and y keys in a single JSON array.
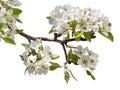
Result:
[{"x": 34, "y": 22}]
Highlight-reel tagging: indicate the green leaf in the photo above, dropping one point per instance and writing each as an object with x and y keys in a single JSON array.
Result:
[
  {"x": 67, "y": 37},
  {"x": 18, "y": 20},
  {"x": 66, "y": 76},
  {"x": 110, "y": 36},
  {"x": 72, "y": 75},
  {"x": 9, "y": 40},
  {"x": 71, "y": 56},
  {"x": 78, "y": 35},
  {"x": 52, "y": 31},
  {"x": 90, "y": 74},
  {"x": 54, "y": 66},
  {"x": 16, "y": 11},
  {"x": 87, "y": 36},
  {"x": 2, "y": 31},
  {"x": 19, "y": 31}
]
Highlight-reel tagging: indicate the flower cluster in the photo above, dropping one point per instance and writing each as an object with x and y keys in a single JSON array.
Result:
[
  {"x": 85, "y": 57},
  {"x": 37, "y": 58},
  {"x": 66, "y": 19},
  {"x": 9, "y": 15}
]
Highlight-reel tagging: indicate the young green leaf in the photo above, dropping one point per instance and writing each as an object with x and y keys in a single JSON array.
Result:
[
  {"x": 1, "y": 25},
  {"x": 71, "y": 56},
  {"x": 66, "y": 76},
  {"x": 110, "y": 36},
  {"x": 72, "y": 75},
  {"x": 1, "y": 31},
  {"x": 78, "y": 35},
  {"x": 54, "y": 66},
  {"x": 16, "y": 11},
  {"x": 87, "y": 36},
  {"x": 52, "y": 31},
  {"x": 90, "y": 74},
  {"x": 18, "y": 20},
  {"x": 19, "y": 31},
  {"x": 9, "y": 40}
]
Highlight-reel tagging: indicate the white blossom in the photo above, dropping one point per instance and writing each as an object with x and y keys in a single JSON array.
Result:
[
  {"x": 84, "y": 61},
  {"x": 9, "y": 34},
  {"x": 35, "y": 44},
  {"x": 48, "y": 53},
  {"x": 5, "y": 15},
  {"x": 12, "y": 3},
  {"x": 41, "y": 67},
  {"x": 31, "y": 69},
  {"x": 93, "y": 61},
  {"x": 105, "y": 28},
  {"x": 80, "y": 51}
]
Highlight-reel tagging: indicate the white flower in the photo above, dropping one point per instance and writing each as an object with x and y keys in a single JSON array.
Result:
[
  {"x": 31, "y": 69},
  {"x": 12, "y": 3},
  {"x": 92, "y": 24},
  {"x": 81, "y": 25},
  {"x": 48, "y": 53},
  {"x": 93, "y": 61},
  {"x": 80, "y": 51},
  {"x": 35, "y": 44},
  {"x": 84, "y": 61},
  {"x": 25, "y": 58},
  {"x": 9, "y": 34},
  {"x": 5, "y": 15},
  {"x": 12, "y": 23},
  {"x": 104, "y": 25},
  {"x": 64, "y": 29},
  {"x": 41, "y": 67}
]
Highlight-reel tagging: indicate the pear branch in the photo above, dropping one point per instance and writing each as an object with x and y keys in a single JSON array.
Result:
[{"x": 55, "y": 39}]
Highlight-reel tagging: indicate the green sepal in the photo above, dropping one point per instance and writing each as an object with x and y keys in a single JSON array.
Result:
[
  {"x": 67, "y": 37},
  {"x": 54, "y": 66},
  {"x": 54, "y": 58},
  {"x": 48, "y": 17},
  {"x": 52, "y": 31},
  {"x": 9, "y": 40},
  {"x": 66, "y": 76},
  {"x": 73, "y": 23},
  {"x": 16, "y": 11},
  {"x": 90, "y": 74},
  {"x": 87, "y": 36},
  {"x": 25, "y": 45}
]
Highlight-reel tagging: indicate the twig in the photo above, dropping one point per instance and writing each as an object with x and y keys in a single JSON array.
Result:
[{"x": 62, "y": 42}]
